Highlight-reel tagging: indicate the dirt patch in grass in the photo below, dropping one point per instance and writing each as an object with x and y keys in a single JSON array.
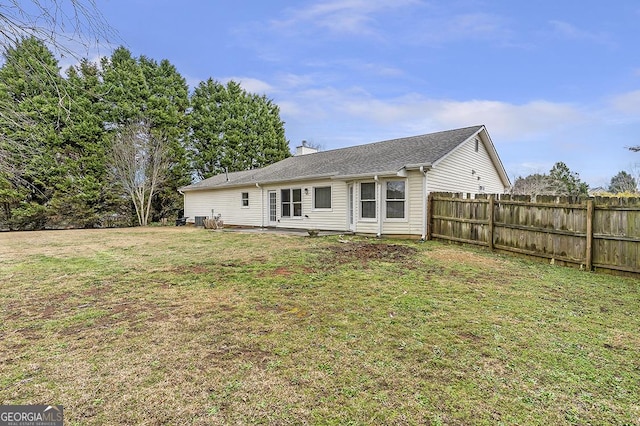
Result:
[{"x": 182, "y": 326}]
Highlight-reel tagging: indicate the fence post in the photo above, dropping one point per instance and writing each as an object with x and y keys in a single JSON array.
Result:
[
  {"x": 429, "y": 215},
  {"x": 589, "y": 245},
  {"x": 490, "y": 219}
]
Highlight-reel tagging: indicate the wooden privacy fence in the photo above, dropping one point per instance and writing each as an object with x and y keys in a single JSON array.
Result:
[{"x": 599, "y": 232}]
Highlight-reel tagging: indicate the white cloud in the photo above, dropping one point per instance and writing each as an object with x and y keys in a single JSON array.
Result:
[
  {"x": 252, "y": 85},
  {"x": 474, "y": 26},
  {"x": 571, "y": 32},
  {"x": 627, "y": 103},
  {"x": 415, "y": 114},
  {"x": 368, "y": 18},
  {"x": 530, "y": 136},
  {"x": 507, "y": 121},
  {"x": 295, "y": 80},
  {"x": 341, "y": 16}
]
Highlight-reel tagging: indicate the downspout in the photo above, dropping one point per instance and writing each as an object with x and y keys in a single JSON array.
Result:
[
  {"x": 424, "y": 203},
  {"x": 379, "y": 212}
]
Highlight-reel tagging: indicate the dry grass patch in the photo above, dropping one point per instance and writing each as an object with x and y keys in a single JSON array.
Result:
[
  {"x": 186, "y": 326},
  {"x": 452, "y": 255}
]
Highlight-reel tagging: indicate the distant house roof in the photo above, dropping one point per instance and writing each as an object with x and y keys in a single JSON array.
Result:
[
  {"x": 597, "y": 191},
  {"x": 379, "y": 158}
]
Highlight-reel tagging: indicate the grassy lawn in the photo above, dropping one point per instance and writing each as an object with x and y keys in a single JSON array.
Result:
[{"x": 186, "y": 326}]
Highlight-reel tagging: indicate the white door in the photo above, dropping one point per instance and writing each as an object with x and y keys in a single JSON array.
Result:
[{"x": 273, "y": 208}]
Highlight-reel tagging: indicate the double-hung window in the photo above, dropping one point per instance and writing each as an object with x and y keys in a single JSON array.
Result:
[
  {"x": 368, "y": 200},
  {"x": 245, "y": 199},
  {"x": 396, "y": 199},
  {"x": 291, "y": 202}
]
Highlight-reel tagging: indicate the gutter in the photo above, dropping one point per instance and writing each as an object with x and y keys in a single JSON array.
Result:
[
  {"x": 375, "y": 175},
  {"x": 223, "y": 185},
  {"x": 333, "y": 176}
]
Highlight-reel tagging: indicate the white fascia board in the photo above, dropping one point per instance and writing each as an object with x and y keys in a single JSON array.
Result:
[
  {"x": 417, "y": 166},
  {"x": 358, "y": 176}
]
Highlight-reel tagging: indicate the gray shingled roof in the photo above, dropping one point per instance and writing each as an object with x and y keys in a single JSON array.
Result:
[{"x": 374, "y": 158}]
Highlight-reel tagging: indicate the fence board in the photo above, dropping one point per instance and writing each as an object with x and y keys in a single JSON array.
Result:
[{"x": 596, "y": 232}]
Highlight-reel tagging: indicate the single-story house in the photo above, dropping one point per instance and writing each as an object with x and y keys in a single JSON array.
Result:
[{"x": 379, "y": 188}]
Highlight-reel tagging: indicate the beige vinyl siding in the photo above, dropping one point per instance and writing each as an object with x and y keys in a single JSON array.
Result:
[
  {"x": 459, "y": 171},
  {"x": 456, "y": 172},
  {"x": 412, "y": 224},
  {"x": 365, "y": 226},
  {"x": 326, "y": 219},
  {"x": 418, "y": 202},
  {"x": 226, "y": 202}
]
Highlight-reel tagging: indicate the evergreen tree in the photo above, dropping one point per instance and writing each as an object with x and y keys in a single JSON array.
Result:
[
  {"x": 34, "y": 113},
  {"x": 125, "y": 88},
  {"x": 566, "y": 182},
  {"x": 233, "y": 130},
  {"x": 560, "y": 181},
  {"x": 85, "y": 195},
  {"x": 623, "y": 182},
  {"x": 56, "y": 133}
]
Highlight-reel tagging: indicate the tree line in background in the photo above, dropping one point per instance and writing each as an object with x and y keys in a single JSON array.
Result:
[
  {"x": 111, "y": 142},
  {"x": 563, "y": 182},
  {"x": 114, "y": 140}
]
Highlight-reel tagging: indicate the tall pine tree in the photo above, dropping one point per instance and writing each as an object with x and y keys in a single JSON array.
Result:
[
  {"x": 234, "y": 130},
  {"x": 84, "y": 196},
  {"x": 34, "y": 104},
  {"x": 55, "y": 133}
]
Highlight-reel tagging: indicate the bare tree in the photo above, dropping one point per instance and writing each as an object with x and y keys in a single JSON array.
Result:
[
  {"x": 536, "y": 184},
  {"x": 64, "y": 25},
  {"x": 139, "y": 163},
  {"x": 634, "y": 171}
]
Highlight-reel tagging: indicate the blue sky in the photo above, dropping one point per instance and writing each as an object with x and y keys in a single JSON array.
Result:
[{"x": 553, "y": 80}]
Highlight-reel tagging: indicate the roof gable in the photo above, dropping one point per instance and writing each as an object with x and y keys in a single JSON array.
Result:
[{"x": 388, "y": 156}]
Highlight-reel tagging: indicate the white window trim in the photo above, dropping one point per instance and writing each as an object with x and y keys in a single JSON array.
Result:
[
  {"x": 405, "y": 200},
  {"x": 242, "y": 200},
  {"x": 291, "y": 203},
  {"x": 313, "y": 200},
  {"x": 368, "y": 219}
]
